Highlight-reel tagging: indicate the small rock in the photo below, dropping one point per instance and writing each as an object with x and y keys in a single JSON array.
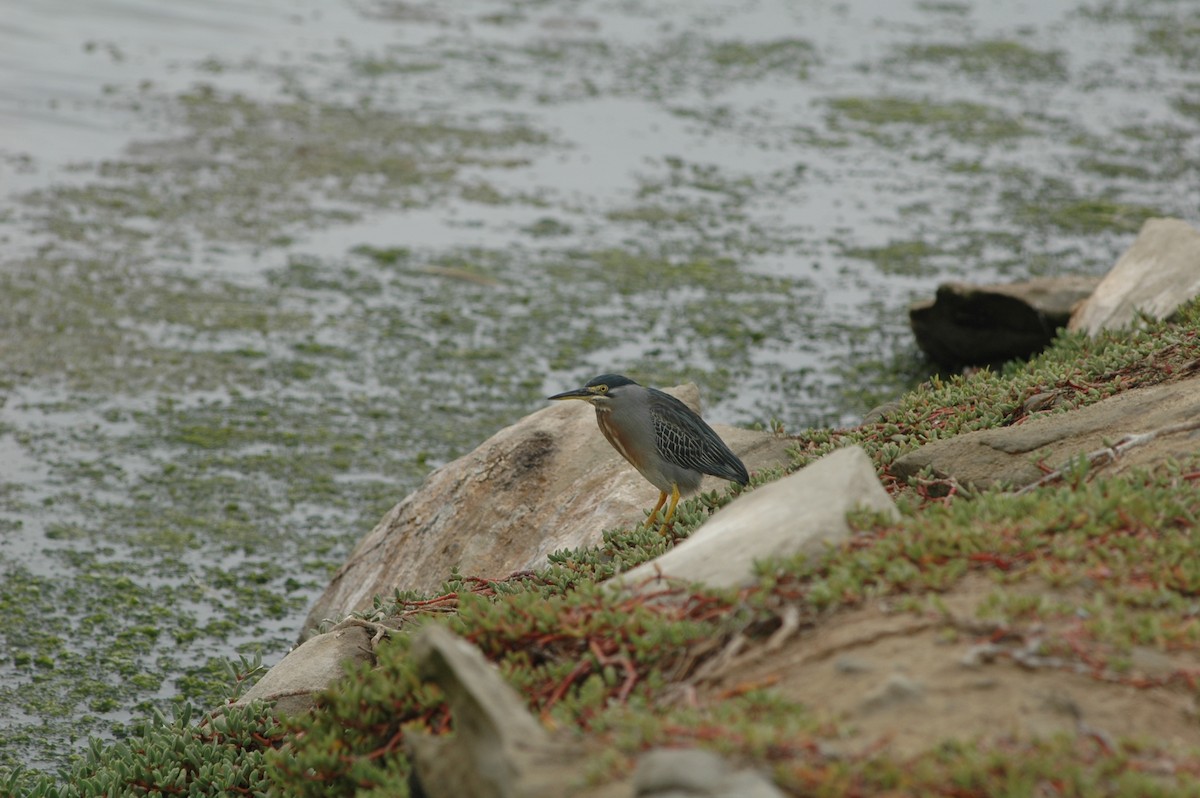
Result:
[
  {"x": 686, "y": 770},
  {"x": 880, "y": 412},
  {"x": 1062, "y": 704},
  {"x": 897, "y": 689},
  {"x": 1040, "y": 401},
  {"x": 848, "y": 664},
  {"x": 696, "y": 773},
  {"x": 979, "y": 655},
  {"x": 311, "y": 667}
]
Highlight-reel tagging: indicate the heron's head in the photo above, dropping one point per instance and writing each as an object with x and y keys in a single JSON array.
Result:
[{"x": 600, "y": 392}]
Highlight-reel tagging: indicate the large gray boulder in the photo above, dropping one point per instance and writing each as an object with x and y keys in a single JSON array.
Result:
[
  {"x": 1156, "y": 275},
  {"x": 551, "y": 481}
]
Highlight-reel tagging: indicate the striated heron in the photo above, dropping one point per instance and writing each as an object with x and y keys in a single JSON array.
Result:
[{"x": 660, "y": 436}]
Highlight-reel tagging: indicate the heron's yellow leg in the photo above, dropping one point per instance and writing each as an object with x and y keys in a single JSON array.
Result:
[
  {"x": 662, "y": 530},
  {"x": 662, "y": 499}
]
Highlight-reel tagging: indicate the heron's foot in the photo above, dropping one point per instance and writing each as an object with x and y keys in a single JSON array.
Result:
[{"x": 670, "y": 516}]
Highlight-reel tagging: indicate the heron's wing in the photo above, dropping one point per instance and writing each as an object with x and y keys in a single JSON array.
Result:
[{"x": 683, "y": 438}]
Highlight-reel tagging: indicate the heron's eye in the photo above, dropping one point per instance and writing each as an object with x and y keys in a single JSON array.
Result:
[{"x": 601, "y": 389}]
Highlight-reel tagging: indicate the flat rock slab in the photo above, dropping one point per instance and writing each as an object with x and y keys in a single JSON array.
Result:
[
  {"x": 900, "y": 684},
  {"x": 1155, "y": 276},
  {"x": 1010, "y": 457},
  {"x": 803, "y": 512},
  {"x": 549, "y": 482},
  {"x": 973, "y": 324}
]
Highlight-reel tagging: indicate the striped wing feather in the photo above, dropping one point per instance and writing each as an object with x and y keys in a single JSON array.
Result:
[{"x": 686, "y": 440}]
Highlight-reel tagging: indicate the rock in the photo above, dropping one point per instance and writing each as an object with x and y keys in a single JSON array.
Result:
[
  {"x": 1010, "y": 456},
  {"x": 880, "y": 412},
  {"x": 498, "y": 750},
  {"x": 976, "y": 324},
  {"x": 311, "y": 667},
  {"x": 803, "y": 512},
  {"x": 896, "y": 690},
  {"x": 1062, "y": 704},
  {"x": 1155, "y": 276},
  {"x": 852, "y": 665},
  {"x": 696, "y": 773},
  {"x": 548, "y": 482}
]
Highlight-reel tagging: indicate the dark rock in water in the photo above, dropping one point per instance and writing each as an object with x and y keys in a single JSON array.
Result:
[{"x": 978, "y": 324}]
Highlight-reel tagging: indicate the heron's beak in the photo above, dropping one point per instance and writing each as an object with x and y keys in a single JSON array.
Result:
[{"x": 578, "y": 393}]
